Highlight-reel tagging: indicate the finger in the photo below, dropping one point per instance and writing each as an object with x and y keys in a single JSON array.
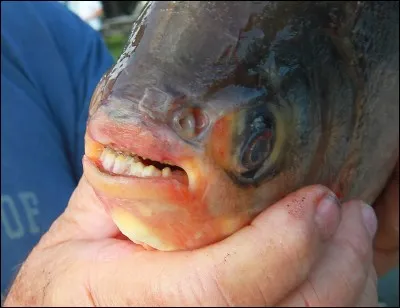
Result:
[
  {"x": 84, "y": 218},
  {"x": 256, "y": 265},
  {"x": 369, "y": 297},
  {"x": 339, "y": 277},
  {"x": 386, "y": 241},
  {"x": 261, "y": 262}
]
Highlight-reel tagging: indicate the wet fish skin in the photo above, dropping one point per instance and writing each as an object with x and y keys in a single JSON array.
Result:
[{"x": 310, "y": 89}]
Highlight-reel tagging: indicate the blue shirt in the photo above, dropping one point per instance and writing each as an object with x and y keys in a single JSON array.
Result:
[{"x": 51, "y": 62}]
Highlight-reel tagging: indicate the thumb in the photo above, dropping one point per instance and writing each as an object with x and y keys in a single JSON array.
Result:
[
  {"x": 275, "y": 253},
  {"x": 83, "y": 219}
]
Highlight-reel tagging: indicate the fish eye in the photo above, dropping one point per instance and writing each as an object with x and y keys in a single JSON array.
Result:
[
  {"x": 246, "y": 143},
  {"x": 256, "y": 150},
  {"x": 259, "y": 139}
]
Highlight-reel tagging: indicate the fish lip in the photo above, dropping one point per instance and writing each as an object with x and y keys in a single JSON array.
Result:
[
  {"x": 116, "y": 177},
  {"x": 97, "y": 178},
  {"x": 178, "y": 175},
  {"x": 139, "y": 144}
]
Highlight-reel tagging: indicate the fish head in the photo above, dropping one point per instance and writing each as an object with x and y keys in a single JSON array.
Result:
[{"x": 216, "y": 110}]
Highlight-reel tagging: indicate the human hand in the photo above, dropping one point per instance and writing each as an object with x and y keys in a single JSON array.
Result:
[
  {"x": 288, "y": 256},
  {"x": 386, "y": 244}
]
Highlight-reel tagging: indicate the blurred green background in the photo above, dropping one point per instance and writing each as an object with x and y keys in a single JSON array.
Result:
[
  {"x": 117, "y": 23},
  {"x": 116, "y": 44}
]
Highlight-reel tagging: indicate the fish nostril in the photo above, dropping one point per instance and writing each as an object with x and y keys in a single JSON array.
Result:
[
  {"x": 201, "y": 120},
  {"x": 190, "y": 122}
]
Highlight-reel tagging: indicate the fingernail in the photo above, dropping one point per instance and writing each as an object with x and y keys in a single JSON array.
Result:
[
  {"x": 327, "y": 215},
  {"x": 370, "y": 220}
]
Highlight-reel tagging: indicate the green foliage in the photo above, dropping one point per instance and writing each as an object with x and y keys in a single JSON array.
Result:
[{"x": 116, "y": 44}]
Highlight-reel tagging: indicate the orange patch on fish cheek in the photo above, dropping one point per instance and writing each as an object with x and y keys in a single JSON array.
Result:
[{"x": 220, "y": 145}]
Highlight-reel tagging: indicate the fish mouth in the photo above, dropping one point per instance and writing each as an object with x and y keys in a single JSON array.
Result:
[
  {"x": 137, "y": 162},
  {"x": 115, "y": 161},
  {"x": 155, "y": 188},
  {"x": 114, "y": 174}
]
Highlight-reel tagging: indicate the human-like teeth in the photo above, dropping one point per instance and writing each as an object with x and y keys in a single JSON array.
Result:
[
  {"x": 131, "y": 160},
  {"x": 136, "y": 169},
  {"x": 166, "y": 172},
  {"x": 108, "y": 160},
  {"x": 119, "y": 163},
  {"x": 150, "y": 171}
]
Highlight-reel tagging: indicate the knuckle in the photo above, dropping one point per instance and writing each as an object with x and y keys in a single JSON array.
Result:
[
  {"x": 310, "y": 294},
  {"x": 222, "y": 293},
  {"x": 200, "y": 282},
  {"x": 215, "y": 279}
]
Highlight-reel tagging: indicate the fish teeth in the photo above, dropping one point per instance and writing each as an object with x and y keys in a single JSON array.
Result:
[
  {"x": 150, "y": 171},
  {"x": 125, "y": 164},
  {"x": 103, "y": 155},
  {"x": 108, "y": 161},
  {"x": 166, "y": 172},
  {"x": 120, "y": 164},
  {"x": 133, "y": 159},
  {"x": 137, "y": 169}
]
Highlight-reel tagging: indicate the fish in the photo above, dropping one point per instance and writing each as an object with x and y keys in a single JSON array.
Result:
[{"x": 216, "y": 110}]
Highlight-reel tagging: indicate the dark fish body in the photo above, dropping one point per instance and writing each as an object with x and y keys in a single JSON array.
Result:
[{"x": 244, "y": 102}]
